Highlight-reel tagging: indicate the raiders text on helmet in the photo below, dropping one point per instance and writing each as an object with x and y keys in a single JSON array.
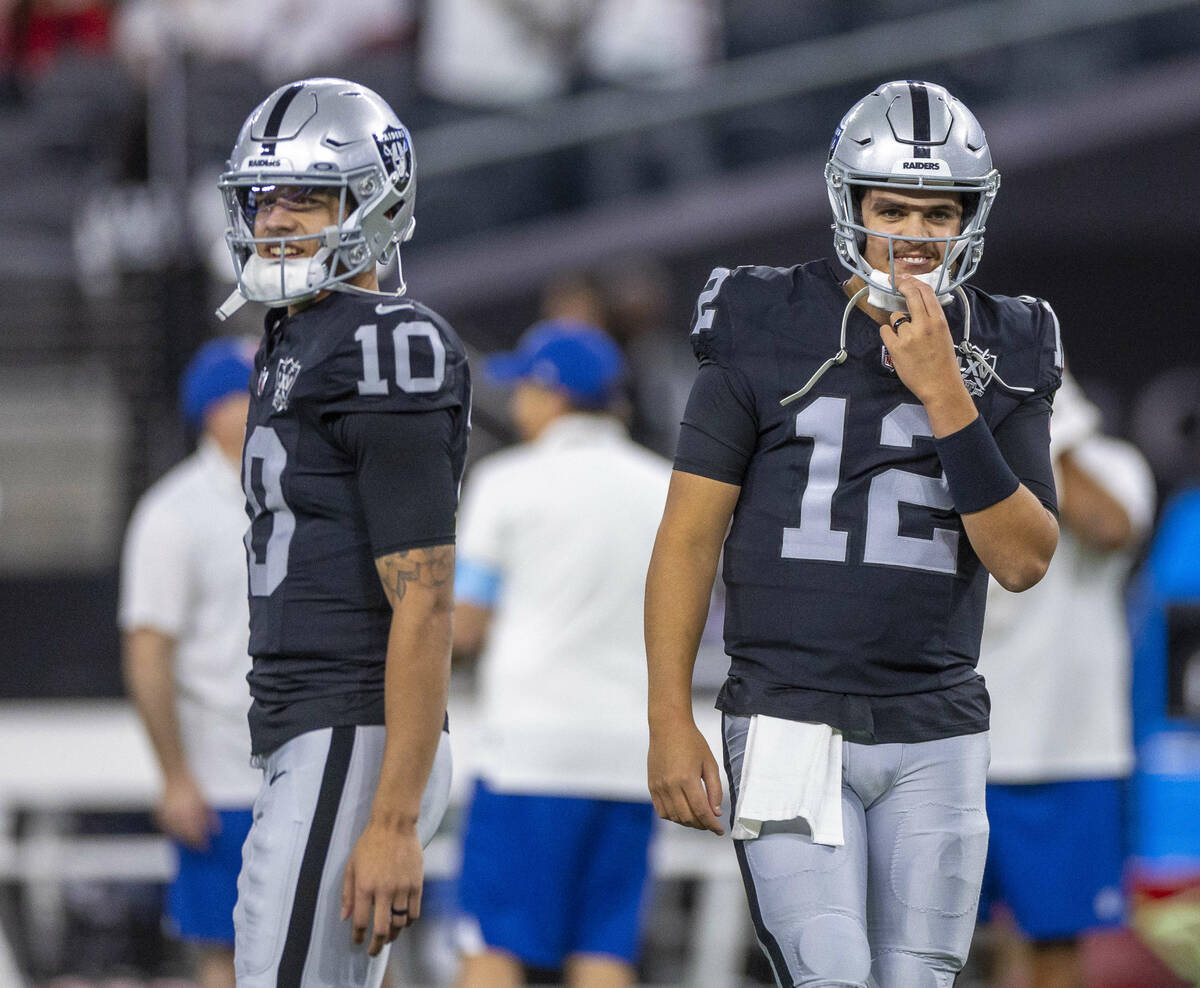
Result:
[
  {"x": 912, "y": 135},
  {"x": 328, "y": 135}
]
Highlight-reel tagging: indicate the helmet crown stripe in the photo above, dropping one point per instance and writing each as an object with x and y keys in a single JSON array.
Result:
[
  {"x": 276, "y": 118},
  {"x": 920, "y": 117}
]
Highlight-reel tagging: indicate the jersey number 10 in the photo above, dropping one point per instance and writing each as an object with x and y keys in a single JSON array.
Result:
[{"x": 266, "y": 457}]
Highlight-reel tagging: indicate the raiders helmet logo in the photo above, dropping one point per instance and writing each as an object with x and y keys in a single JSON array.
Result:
[
  {"x": 285, "y": 377},
  {"x": 396, "y": 153}
]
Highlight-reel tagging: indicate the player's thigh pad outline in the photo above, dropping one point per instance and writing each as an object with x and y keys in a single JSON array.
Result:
[
  {"x": 928, "y": 839},
  {"x": 807, "y": 901},
  {"x": 314, "y": 802}
]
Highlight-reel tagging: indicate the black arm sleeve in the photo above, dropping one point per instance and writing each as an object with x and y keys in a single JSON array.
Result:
[
  {"x": 719, "y": 430},
  {"x": 405, "y": 474},
  {"x": 1024, "y": 439}
]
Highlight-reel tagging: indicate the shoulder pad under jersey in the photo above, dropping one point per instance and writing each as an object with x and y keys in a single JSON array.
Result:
[
  {"x": 394, "y": 356},
  {"x": 730, "y": 304},
  {"x": 1032, "y": 325}
]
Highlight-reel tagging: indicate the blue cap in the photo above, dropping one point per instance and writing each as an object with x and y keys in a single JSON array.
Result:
[
  {"x": 220, "y": 368},
  {"x": 582, "y": 360}
]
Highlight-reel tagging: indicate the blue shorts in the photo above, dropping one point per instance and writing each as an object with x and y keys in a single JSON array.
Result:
[
  {"x": 1056, "y": 856},
  {"x": 550, "y": 876},
  {"x": 201, "y": 899}
]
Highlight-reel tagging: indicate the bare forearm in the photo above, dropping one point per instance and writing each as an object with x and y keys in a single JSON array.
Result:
[
  {"x": 470, "y": 631},
  {"x": 416, "y": 686},
  {"x": 147, "y": 658},
  {"x": 1089, "y": 511},
  {"x": 419, "y": 584},
  {"x": 678, "y": 589},
  {"x": 679, "y": 586},
  {"x": 1015, "y": 539}
]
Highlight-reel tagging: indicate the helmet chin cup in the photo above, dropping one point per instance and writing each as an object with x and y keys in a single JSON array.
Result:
[
  {"x": 882, "y": 295},
  {"x": 285, "y": 281}
]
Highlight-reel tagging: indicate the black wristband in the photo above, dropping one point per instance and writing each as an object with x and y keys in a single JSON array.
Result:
[{"x": 975, "y": 469}]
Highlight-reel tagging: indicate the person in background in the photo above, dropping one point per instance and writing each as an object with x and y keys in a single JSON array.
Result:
[
  {"x": 1057, "y": 663},
  {"x": 554, "y": 540},
  {"x": 184, "y": 616}
]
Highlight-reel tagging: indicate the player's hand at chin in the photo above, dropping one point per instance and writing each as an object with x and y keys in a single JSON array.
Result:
[
  {"x": 920, "y": 344},
  {"x": 381, "y": 890}
]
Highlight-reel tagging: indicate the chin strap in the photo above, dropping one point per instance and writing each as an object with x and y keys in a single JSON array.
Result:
[
  {"x": 974, "y": 357},
  {"x": 837, "y": 358},
  {"x": 883, "y": 296},
  {"x": 236, "y": 299},
  {"x": 227, "y": 308}
]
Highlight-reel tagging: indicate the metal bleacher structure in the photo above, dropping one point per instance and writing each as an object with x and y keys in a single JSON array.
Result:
[{"x": 106, "y": 291}]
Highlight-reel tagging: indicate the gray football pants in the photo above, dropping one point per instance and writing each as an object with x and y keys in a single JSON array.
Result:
[
  {"x": 315, "y": 799},
  {"x": 894, "y": 907}
]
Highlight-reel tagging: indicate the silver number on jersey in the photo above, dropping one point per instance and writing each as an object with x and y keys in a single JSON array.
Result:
[
  {"x": 265, "y": 447},
  {"x": 373, "y": 383},
  {"x": 894, "y": 487},
  {"x": 823, "y": 421},
  {"x": 705, "y": 313}
]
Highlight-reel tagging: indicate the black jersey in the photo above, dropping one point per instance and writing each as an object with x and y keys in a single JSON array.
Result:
[
  {"x": 319, "y": 618},
  {"x": 854, "y": 597}
]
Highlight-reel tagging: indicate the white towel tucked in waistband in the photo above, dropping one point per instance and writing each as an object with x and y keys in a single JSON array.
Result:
[{"x": 791, "y": 770}]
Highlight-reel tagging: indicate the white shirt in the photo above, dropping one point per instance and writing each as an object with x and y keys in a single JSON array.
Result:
[
  {"x": 1056, "y": 657},
  {"x": 183, "y": 573},
  {"x": 567, "y": 524},
  {"x": 484, "y": 53}
]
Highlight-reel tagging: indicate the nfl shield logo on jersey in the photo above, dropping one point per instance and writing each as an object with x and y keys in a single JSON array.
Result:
[
  {"x": 285, "y": 377},
  {"x": 974, "y": 376},
  {"x": 263, "y": 375}
]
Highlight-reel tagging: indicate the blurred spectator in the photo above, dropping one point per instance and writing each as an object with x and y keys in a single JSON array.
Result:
[
  {"x": 35, "y": 32},
  {"x": 554, "y": 540},
  {"x": 184, "y": 614},
  {"x": 478, "y": 57},
  {"x": 282, "y": 39},
  {"x": 1057, "y": 659},
  {"x": 638, "y": 298},
  {"x": 648, "y": 45},
  {"x": 574, "y": 296},
  {"x": 479, "y": 54}
]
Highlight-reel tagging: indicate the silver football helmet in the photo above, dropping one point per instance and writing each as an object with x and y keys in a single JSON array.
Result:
[
  {"x": 318, "y": 135},
  {"x": 910, "y": 135}
]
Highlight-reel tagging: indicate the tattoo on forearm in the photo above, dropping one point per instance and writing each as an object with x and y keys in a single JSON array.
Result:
[{"x": 430, "y": 568}]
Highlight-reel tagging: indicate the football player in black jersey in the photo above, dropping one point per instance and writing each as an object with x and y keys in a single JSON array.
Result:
[
  {"x": 874, "y": 447},
  {"x": 355, "y": 443}
]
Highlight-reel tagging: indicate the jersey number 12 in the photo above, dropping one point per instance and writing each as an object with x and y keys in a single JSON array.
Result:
[{"x": 824, "y": 422}]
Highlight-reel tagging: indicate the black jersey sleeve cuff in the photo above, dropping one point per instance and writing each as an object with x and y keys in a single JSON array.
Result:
[
  {"x": 1024, "y": 439},
  {"x": 719, "y": 430}
]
